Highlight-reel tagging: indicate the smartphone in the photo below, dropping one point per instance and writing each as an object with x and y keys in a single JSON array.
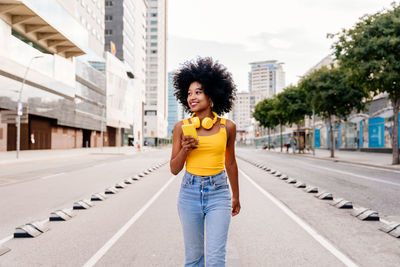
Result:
[{"x": 189, "y": 130}]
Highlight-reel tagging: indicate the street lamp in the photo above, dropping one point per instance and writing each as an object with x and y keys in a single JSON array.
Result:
[{"x": 19, "y": 107}]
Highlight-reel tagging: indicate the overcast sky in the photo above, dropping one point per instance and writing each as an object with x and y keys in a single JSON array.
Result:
[{"x": 237, "y": 32}]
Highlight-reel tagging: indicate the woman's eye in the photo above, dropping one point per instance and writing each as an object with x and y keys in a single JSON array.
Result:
[{"x": 198, "y": 92}]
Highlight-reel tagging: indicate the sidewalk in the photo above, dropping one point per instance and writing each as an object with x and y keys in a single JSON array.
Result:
[
  {"x": 379, "y": 160},
  {"x": 32, "y": 155}
]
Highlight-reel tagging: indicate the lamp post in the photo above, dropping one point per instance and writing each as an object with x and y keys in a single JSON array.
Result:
[{"x": 19, "y": 106}]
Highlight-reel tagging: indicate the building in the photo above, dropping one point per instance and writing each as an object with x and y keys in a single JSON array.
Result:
[
  {"x": 156, "y": 106},
  {"x": 90, "y": 14},
  {"x": 241, "y": 112},
  {"x": 266, "y": 78},
  {"x": 175, "y": 109},
  {"x": 62, "y": 99},
  {"x": 172, "y": 106},
  {"x": 125, "y": 39},
  {"x": 370, "y": 130},
  {"x": 242, "y": 116}
]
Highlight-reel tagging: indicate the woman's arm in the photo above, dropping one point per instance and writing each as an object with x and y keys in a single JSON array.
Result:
[
  {"x": 181, "y": 146},
  {"x": 231, "y": 166}
]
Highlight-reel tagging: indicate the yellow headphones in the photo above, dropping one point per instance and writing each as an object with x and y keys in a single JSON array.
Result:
[{"x": 207, "y": 122}]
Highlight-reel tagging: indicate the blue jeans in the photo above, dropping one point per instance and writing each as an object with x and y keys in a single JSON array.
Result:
[{"x": 205, "y": 199}]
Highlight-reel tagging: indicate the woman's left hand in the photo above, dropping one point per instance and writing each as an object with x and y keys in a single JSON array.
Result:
[{"x": 235, "y": 206}]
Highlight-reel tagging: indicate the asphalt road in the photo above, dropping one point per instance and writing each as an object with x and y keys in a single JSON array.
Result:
[
  {"x": 139, "y": 226},
  {"x": 374, "y": 188}
]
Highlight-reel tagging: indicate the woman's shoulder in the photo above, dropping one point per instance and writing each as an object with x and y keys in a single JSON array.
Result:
[
  {"x": 178, "y": 125},
  {"x": 230, "y": 124}
]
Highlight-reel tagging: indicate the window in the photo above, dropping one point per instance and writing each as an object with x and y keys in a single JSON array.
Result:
[
  {"x": 154, "y": 22},
  {"x": 109, "y": 3},
  {"x": 154, "y": 51},
  {"x": 108, "y": 32},
  {"x": 153, "y": 37},
  {"x": 29, "y": 42},
  {"x": 109, "y": 18},
  {"x": 153, "y": 29},
  {"x": 154, "y": 15},
  {"x": 150, "y": 112},
  {"x": 153, "y": 44}
]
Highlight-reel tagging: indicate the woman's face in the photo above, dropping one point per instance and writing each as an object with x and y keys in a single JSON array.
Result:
[{"x": 197, "y": 99}]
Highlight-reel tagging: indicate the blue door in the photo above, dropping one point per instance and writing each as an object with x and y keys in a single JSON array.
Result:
[
  {"x": 317, "y": 138},
  {"x": 376, "y": 132}
]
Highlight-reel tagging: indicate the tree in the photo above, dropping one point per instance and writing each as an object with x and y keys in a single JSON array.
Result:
[
  {"x": 293, "y": 101},
  {"x": 329, "y": 95},
  {"x": 370, "y": 52},
  {"x": 262, "y": 114},
  {"x": 278, "y": 115}
]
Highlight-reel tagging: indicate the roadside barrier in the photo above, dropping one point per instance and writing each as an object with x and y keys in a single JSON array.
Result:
[{"x": 390, "y": 227}]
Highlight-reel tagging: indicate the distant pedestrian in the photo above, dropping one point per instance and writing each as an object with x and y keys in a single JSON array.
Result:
[
  {"x": 205, "y": 89},
  {"x": 287, "y": 146}
]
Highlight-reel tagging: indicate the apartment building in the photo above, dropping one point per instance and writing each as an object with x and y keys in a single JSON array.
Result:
[{"x": 156, "y": 106}]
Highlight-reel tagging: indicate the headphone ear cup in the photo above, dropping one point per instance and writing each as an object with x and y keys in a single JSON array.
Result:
[
  {"x": 207, "y": 123},
  {"x": 195, "y": 121}
]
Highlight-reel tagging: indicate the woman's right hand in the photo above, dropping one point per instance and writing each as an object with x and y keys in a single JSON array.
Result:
[{"x": 189, "y": 143}]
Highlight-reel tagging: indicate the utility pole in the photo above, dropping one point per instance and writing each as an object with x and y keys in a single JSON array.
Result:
[{"x": 19, "y": 106}]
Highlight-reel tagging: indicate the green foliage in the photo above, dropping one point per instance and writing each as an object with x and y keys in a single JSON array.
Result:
[
  {"x": 262, "y": 111},
  {"x": 370, "y": 52},
  {"x": 277, "y": 116},
  {"x": 293, "y": 103},
  {"x": 329, "y": 94}
]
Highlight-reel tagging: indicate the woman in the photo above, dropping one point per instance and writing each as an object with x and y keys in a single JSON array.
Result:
[{"x": 205, "y": 89}]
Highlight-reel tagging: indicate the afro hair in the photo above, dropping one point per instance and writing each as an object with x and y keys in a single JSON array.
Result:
[{"x": 214, "y": 78}]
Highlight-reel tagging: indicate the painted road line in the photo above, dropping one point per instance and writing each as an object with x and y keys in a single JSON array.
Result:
[
  {"x": 355, "y": 165},
  {"x": 52, "y": 176},
  {"x": 353, "y": 174},
  {"x": 320, "y": 239},
  {"x": 6, "y": 239},
  {"x": 102, "y": 251}
]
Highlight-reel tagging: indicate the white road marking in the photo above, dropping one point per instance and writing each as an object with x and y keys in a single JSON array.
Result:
[
  {"x": 320, "y": 239},
  {"x": 6, "y": 239},
  {"x": 356, "y": 165},
  {"x": 52, "y": 175},
  {"x": 340, "y": 162},
  {"x": 353, "y": 174},
  {"x": 102, "y": 251}
]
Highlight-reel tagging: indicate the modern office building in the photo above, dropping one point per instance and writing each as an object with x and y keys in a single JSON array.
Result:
[
  {"x": 125, "y": 38},
  {"x": 175, "y": 109},
  {"x": 62, "y": 98},
  {"x": 90, "y": 14},
  {"x": 172, "y": 106},
  {"x": 241, "y": 114},
  {"x": 266, "y": 78},
  {"x": 156, "y": 107}
]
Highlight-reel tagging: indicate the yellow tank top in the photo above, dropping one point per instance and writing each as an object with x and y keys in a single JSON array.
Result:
[{"x": 209, "y": 156}]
